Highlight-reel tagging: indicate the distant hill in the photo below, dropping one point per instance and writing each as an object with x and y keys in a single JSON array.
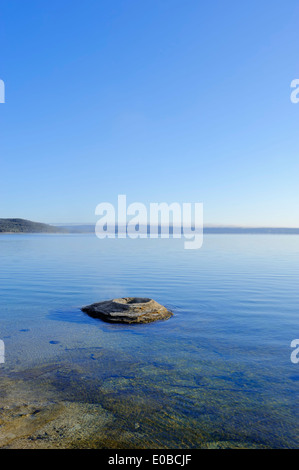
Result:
[{"x": 26, "y": 226}]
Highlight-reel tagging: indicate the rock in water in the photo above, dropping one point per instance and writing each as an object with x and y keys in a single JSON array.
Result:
[{"x": 128, "y": 310}]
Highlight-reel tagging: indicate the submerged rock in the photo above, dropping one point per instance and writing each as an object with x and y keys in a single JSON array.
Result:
[{"x": 128, "y": 310}]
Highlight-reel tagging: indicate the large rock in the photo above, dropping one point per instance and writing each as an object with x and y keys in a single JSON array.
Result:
[{"x": 128, "y": 310}]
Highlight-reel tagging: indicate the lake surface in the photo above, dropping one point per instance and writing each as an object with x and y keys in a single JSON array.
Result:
[{"x": 217, "y": 374}]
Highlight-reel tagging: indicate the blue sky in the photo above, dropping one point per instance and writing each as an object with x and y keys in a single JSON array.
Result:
[{"x": 161, "y": 100}]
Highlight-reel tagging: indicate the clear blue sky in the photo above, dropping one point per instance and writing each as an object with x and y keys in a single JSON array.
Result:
[{"x": 161, "y": 100}]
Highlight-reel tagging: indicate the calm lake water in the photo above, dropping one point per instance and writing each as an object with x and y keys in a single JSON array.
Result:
[{"x": 217, "y": 374}]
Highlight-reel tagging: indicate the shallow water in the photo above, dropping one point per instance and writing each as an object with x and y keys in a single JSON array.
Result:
[{"x": 217, "y": 374}]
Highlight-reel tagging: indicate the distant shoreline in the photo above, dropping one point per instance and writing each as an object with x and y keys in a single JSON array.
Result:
[
  {"x": 81, "y": 228},
  {"x": 206, "y": 231},
  {"x": 13, "y": 226}
]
